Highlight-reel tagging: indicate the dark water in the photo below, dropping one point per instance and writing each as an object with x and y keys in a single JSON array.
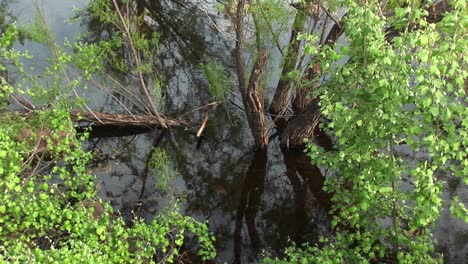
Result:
[{"x": 255, "y": 202}]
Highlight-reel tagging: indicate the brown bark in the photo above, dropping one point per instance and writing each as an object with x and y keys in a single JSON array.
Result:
[
  {"x": 97, "y": 119},
  {"x": 303, "y": 125},
  {"x": 126, "y": 120},
  {"x": 254, "y": 108},
  {"x": 281, "y": 97},
  {"x": 251, "y": 97}
]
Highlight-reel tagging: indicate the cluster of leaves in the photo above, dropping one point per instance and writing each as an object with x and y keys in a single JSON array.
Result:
[
  {"x": 64, "y": 73},
  {"x": 214, "y": 73},
  {"x": 160, "y": 166},
  {"x": 127, "y": 46},
  {"x": 271, "y": 19},
  {"x": 49, "y": 210},
  {"x": 6, "y": 16},
  {"x": 113, "y": 43},
  {"x": 7, "y": 40},
  {"x": 392, "y": 96}
]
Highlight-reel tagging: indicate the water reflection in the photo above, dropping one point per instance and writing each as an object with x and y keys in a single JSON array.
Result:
[
  {"x": 177, "y": 23},
  {"x": 249, "y": 203},
  {"x": 253, "y": 201},
  {"x": 312, "y": 203}
]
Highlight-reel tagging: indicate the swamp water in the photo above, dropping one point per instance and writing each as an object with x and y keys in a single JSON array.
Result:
[{"x": 255, "y": 202}]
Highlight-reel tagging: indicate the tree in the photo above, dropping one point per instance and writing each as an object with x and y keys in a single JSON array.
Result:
[{"x": 394, "y": 90}]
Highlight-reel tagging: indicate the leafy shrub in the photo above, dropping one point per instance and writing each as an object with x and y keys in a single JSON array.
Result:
[{"x": 49, "y": 211}]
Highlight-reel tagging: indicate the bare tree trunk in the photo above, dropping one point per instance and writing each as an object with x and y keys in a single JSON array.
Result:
[
  {"x": 301, "y": 127},
  {"x": 251, "y": 97},
  {"x": 253, "y": 103},
  {"x": 281, "y": 98},
  {"x": 304, "y": 123}
]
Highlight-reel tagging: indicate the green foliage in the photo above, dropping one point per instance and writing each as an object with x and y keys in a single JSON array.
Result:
[
  {"x": 127, "y": 46},
  {"x": 87, "y": 57},
  {"x": 6, "y": 16},
  {"x": 160, "y": 166},
  {"x": 271, "y": 18},
  {"x": 459, "y": 210},
  {"x": 38, "y": 31},
  {"x": 49, "y": 211},
  {"x": 405, "y": 95},
  {"x": 309, "y": 254},
  {"x": 6, "y": 40},
  {"x": 116, "y": 48},
  {"x": 216, "y": 77}
]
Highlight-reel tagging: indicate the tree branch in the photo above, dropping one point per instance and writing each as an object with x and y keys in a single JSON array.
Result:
[{"x": 137, "y": 62}]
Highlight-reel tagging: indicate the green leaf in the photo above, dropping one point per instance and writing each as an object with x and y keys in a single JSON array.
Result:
[
  {"x": 434, "y": 110},
  {"x": 426, "y": 102},
  {"x": 364, "y": 205}
]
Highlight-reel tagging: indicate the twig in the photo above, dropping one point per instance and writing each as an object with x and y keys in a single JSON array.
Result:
[
  {"x": 203, "y": 126},
  {"x": 135, "y": 98},
  {"x": 214, "y": 104},
  {"x": 331, "y": 16},
  {"x": 236, "y": 105},
  {"x": 137, "y": 62},
  {"x": 22, "y": 102},
  {"x": 272, "y": 32},
  {"x": 216, "y": 26},
  {"x": 87, "y": 107}
]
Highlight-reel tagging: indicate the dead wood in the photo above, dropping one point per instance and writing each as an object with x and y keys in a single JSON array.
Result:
[
  {"x": 203, "y": 126},
  {"x": 111, "y": 125},
  {"x": 106, "y": 119}
]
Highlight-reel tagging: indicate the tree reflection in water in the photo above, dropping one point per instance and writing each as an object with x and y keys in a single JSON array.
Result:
[
  {"x": 311, "y": 203},
  {"x": 250, "y": 198}
]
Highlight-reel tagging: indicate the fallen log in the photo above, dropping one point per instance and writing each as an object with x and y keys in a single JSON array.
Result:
[
  {"x": 113, "y": 125},
  {"x": 105, "y": 119},
  {"x": 105, "y": 125}
]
